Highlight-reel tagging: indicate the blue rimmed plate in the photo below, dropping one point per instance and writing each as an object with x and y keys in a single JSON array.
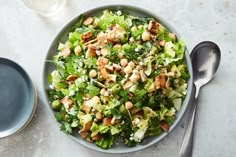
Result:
[{"x": 17, "y": 98}]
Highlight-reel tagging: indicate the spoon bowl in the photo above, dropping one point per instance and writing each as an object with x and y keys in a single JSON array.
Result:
[{"x": 205, "y": 61}]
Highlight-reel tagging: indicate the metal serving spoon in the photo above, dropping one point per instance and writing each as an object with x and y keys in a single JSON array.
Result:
[{"x": 205, "y": 61}]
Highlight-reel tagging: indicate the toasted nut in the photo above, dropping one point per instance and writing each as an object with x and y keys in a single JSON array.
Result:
[
  {"x": 172, "y": 36},
  {"x": 88, "y": 21},
  {"x": 128, "y": 84},
  {"x": 71, "y": 77},
  {"x": 90, "y": 42},
  {"x": 123, "y": 62},
  {"x": 168, "y": 83},
  {"x": 100, "y": 84},
  {"x": 77, "y": 50},
  {"x": 162, "y": 43},
  {"x": 146, "y": 36},
  {"x": 113, "y": 120},
  {"x": 92, "y": 73},
  {"x": 153, "y": 27},
  {"x": 99, "y": 115},
  {"x": 128, "y": 69},
  {"x": 66, "y": 51},
  {"x": 143, "y": 76},
  {"x": 128, "y": 105}
]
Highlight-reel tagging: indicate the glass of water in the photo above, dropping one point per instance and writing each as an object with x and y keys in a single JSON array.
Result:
[{"x": 45, "y": 7}]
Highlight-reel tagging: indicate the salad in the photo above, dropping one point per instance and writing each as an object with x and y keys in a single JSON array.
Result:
[{"x": 118, "y": 77}]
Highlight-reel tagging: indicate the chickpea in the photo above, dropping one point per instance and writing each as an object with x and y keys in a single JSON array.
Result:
[
  {"x": 131, "y": 64},
  {"x": 134, "y": 28},
  {"x": 140, "y": 26},
  {"x": 120, "y": 55},
  {"x": 123, "y": 62},
  {"x": 96, "y": 99},
  {"x": 102, "y": 91},
  {"x": 77, "y": 50},
  {"x": 134, "y": 78},
  {"x": 146, "y": 36},
  {"x": 92, "y": 73},
  {"x": 99, "y": 115},
  {"x": 128, "y": 105},
  {"x": 128, "y": 69},
  {"x": 138, "y": 67},
  {"x": 104, "y": 51}
]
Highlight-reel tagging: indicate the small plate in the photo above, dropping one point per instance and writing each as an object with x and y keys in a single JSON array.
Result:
[{"x": 17, "y": 98}]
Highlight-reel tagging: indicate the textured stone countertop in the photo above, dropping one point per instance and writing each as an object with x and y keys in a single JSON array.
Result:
[{"x": 25, "y": 38}]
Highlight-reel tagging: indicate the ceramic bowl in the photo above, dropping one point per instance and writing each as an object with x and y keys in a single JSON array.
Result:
[{"x": 62, "y": 37}]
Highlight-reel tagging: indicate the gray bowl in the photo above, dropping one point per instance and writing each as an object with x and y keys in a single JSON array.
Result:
[
  {"x": 17, "y": 98},
  {"x": 62, "y": 37}
]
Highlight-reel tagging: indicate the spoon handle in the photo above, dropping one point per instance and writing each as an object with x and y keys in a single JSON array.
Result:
[{"x": 187, "y": 144}]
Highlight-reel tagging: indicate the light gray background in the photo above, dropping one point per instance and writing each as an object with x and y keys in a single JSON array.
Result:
[{"x": 25, "y": 38}]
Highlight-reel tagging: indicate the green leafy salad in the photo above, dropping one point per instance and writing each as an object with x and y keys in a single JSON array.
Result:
[{"x": 118, "y": 77}]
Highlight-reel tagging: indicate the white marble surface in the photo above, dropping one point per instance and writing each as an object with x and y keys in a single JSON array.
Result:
[{"x": 25, "y": 38}]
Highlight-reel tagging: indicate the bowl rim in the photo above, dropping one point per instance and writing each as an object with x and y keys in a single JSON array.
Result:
[
  {"x": 185, "y": 103},
  {"x": 18, "y": 128}
]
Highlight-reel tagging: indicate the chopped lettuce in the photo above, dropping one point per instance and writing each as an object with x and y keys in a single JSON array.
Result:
[
  {"x": 111, "y": 80},
  {"x": 109, "y": 18},
  {"x": 105, "y": 142}
]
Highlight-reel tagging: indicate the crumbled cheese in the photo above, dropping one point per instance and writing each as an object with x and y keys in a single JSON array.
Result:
[
  {"x": 139, "y": 134},
  {"x": 71, "y": 93},
  {"x": 119, "y": 13},
  {"x": 136, "y": 121}
]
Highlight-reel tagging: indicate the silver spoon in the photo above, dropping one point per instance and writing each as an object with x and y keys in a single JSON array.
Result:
[{"x": 205, "y": 61}]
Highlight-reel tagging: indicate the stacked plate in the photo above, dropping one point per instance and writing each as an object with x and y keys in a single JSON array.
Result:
[{"x": 18, "y": 98}]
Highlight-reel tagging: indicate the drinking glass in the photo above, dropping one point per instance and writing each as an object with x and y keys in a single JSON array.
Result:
[{"x": 45, "y": 7}]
